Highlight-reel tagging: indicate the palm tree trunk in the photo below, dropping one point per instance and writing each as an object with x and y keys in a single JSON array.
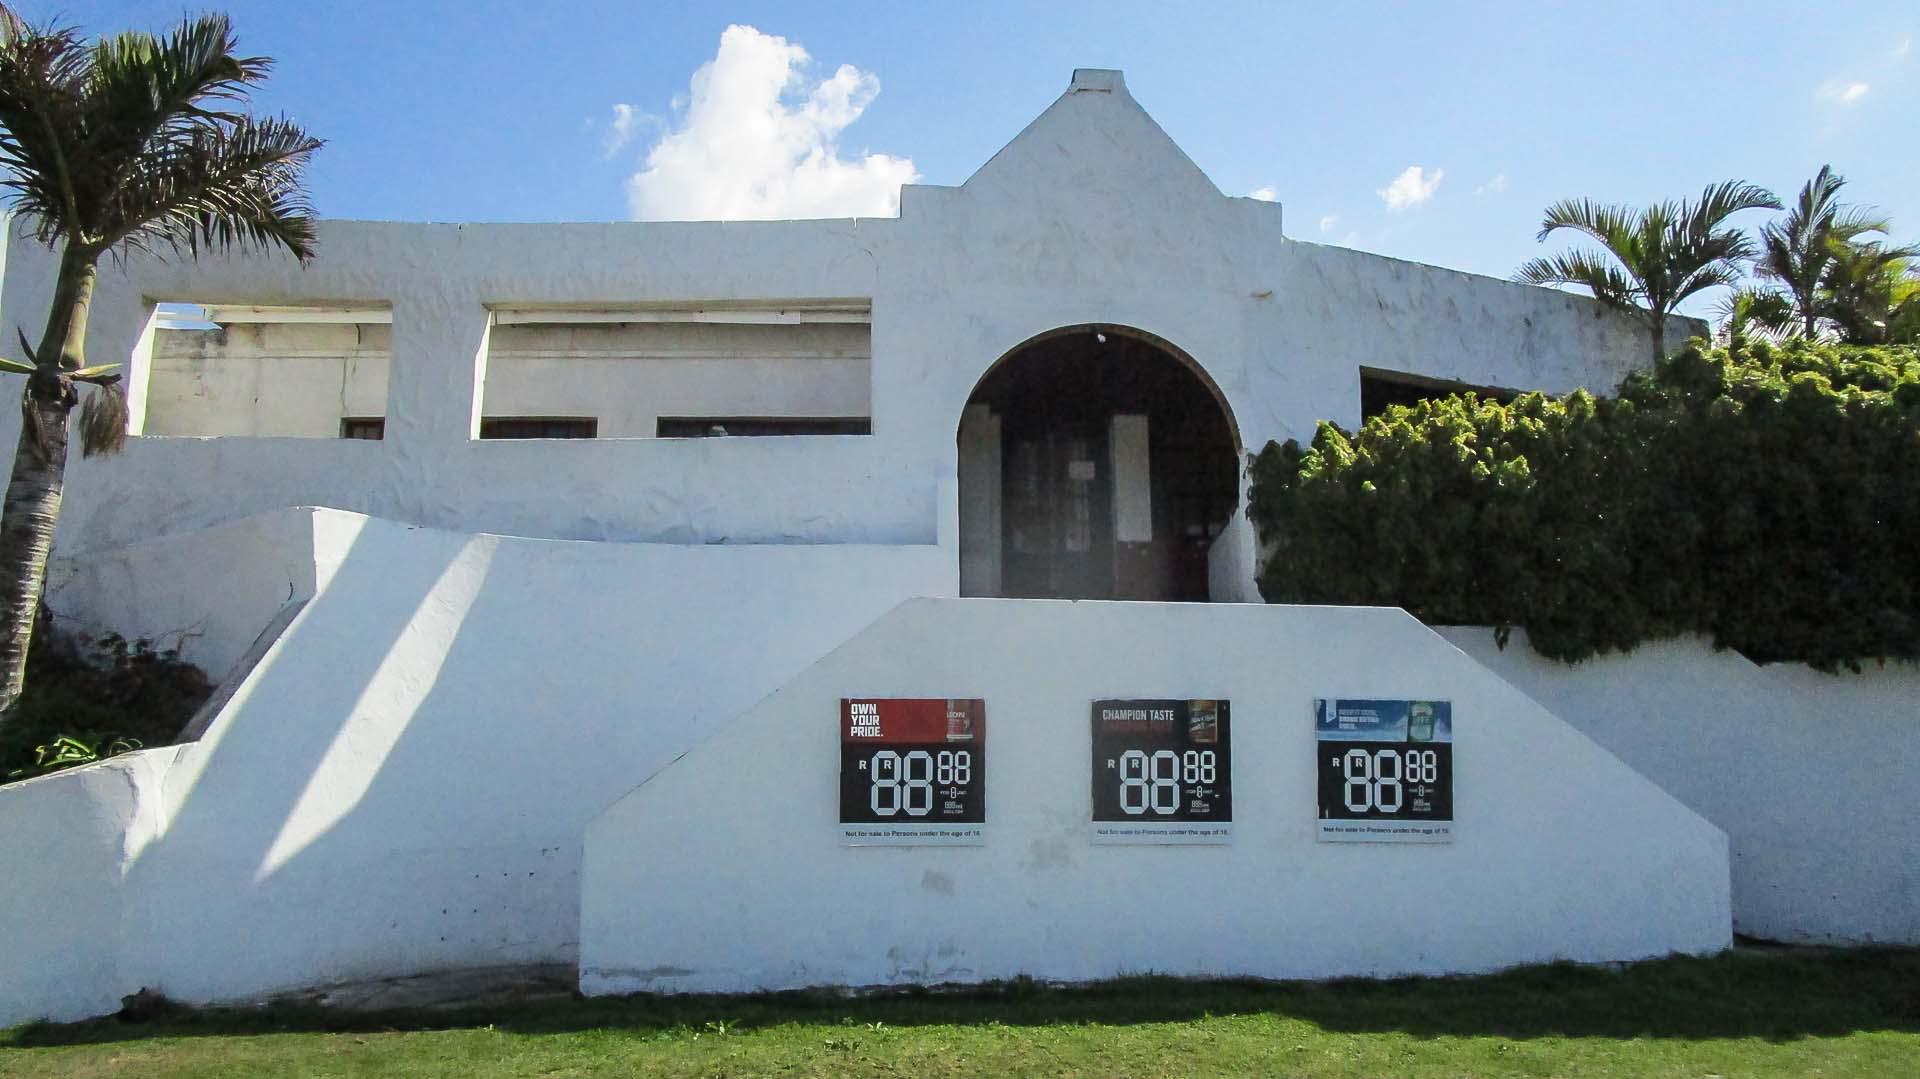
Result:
[
  {"x": 1659, "y": 327},
  {"x": 32, "y": 509}
]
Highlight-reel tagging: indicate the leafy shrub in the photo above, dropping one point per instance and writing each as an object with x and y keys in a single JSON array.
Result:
[
  {"x": 91, "y": 698},
  {"x": 1767, "y": 496}
]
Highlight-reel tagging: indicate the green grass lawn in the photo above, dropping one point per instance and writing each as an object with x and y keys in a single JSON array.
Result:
[{"x": 1744, "y": 1014}]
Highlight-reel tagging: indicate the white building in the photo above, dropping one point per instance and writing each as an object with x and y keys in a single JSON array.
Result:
[
  {"x": 453, "y": 735},
  {"x": 1078, "y": 344}
]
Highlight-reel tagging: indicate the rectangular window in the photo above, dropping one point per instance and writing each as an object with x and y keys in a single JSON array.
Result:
[
  {"x": 281, "y": 372},
  {"x": 539, "y": 427},
  {"x": 643, "y": 369},
  {"x": 1380, "y": 390},
  {"x": 373, "y": 428},
  {"x": 733, "y": 426}
]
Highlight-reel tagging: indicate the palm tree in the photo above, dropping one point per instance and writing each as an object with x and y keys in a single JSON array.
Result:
[
  {"x": 129, "y": 143},
  {"x": 1652, "y": 260},
  {"x": 1870, "y": 292},
  {"x": 1799, "y": 252},
  {"x": 1746, "y": 313}
]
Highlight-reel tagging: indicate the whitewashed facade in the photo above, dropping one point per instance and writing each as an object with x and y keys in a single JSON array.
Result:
[
  {"x": 463, "y": 690},
  {"x": 1091, "y": 219}
]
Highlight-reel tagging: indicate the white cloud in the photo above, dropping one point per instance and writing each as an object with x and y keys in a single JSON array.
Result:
[
  {"x": 621, "y": 131},
  {"x": 1411, "y": 188},
  {"x": 1842, "y": 91},
  {"x": 756, "y": 140},
  {"x": 1327, "y": 222},
  {"x": 1264, "y": 194},
  {"x": 1493, "y": 186},
  {"x": 1900, "y": 51}
]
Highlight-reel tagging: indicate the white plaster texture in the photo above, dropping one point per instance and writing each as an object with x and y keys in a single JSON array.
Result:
[
  {"x": 724, "y": 872},
  {"x": 1809, "y": 774},
  {"x": 67, "y": 845},
  {"x": 207, "y": 594},
  {"x": 1092, "y": 216}
]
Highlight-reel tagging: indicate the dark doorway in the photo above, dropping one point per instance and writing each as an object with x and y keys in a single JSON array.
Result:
[{"x": 1116, "y": 469}]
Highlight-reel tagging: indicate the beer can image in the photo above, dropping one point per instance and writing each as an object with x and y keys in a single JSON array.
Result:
[
  {"x": 1419, "y": 721},
  {"x": 959, "y": 720},
  {"x": 1203, "y": 722}
]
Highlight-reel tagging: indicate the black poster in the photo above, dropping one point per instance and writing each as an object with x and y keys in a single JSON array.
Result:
[
  {"x": 1386, "y": 770},
  {"x": 1162, "y": 771},
  {"x": 913, "y": 771}
]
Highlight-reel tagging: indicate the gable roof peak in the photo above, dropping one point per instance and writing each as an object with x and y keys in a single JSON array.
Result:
[{"x": 1099, "y": 80}]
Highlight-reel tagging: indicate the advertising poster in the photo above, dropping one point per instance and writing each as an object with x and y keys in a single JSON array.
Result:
[
  {"x": 1162, "y": 771},
  {"x": 1386, "y": 770},
  {"x": 913, "y": 771}
]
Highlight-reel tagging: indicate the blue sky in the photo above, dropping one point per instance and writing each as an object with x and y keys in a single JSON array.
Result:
[{"x": 483, "y": 111}]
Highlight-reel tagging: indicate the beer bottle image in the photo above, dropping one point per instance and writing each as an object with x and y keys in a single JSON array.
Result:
[
  {"x": 1420, "y": 721},
  {"x": 1203, "y": 722},
  {"x": 959, "y": 720}
]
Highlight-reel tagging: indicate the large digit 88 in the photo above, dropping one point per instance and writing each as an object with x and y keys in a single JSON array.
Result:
[
  {"x": 1153, "y": 782},
  {"x": 906, "y": 782},
  {"x": 1372, "y": 780}
]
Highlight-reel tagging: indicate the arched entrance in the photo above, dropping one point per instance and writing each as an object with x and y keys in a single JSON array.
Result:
[{"x": 1096, "y": 462}]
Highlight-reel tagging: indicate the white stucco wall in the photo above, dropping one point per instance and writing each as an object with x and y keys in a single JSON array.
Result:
[
  {"x": 66, "y": 847},
  {"x": 1811, "y": 775},
  {"x": 400, "y": 785},
  {"x": 1091, "y": 216},
  {"x": 208, "y": 594},
  {"x": 724, "y": 872}
]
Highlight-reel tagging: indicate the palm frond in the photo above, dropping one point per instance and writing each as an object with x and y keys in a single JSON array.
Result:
[
  {"x": 1722, "y": 200},
  {"x": 145, "y": 93},
  {"x": 42, "y": 86},
  {"x": 1751, "y": 312},
  {"x": 236, "y": 186},
  {"x": 1605, "y": 223},
  {"x": 1852, "y": 222},
  {"x": 1709, "y": 275},
  {"x": 1591, "y": 271}
]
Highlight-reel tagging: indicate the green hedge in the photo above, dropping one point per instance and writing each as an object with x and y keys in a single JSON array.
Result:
[{"x": 1767, "y": 496}]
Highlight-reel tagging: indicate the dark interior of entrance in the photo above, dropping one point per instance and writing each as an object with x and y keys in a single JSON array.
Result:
[{"x": 1117, "y": 469}]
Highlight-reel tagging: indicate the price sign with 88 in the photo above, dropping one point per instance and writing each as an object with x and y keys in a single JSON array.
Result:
[
  {"x": 912, "y": 771},
  {"x": 1386, "y": 770},
  {"x": 1162, "y": 771}
]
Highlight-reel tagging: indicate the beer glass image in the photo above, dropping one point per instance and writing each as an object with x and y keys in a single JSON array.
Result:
[
  {"x": 1420, "y": 721},
  {"x": 1203, "y": 722},
  {"x": 959, "y": 720}
]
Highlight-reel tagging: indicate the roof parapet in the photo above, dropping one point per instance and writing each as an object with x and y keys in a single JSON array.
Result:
[{"x": 1097, "y": 80}]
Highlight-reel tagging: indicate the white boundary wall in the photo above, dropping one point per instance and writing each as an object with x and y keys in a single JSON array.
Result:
[
  {"x": 1812, "y": 776},
  {"x": 401, "y": 783},
  {"x": 724, "y": 872},
  {"x": 68, "y": 842}
]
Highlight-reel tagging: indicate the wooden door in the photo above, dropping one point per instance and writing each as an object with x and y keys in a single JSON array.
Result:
[{"x": 1057, "y": 512}]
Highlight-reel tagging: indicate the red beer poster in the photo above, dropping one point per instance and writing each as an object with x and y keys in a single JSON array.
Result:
[{"x": 913, "y": 771}]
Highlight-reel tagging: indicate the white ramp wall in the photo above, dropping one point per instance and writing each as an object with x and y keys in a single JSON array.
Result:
[
  {"x": 1811, "y": 775},
  {"x": 725, "y": 872},
  {"x": 401, "y": 783}
]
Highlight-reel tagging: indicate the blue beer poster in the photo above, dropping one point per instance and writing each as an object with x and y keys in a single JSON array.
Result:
[{"x": 1386, "y": 770}]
